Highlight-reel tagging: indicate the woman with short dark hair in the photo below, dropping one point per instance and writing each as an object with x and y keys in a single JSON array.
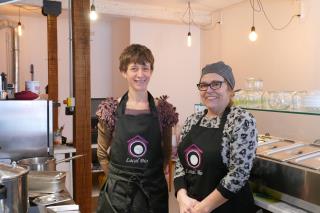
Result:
[{"x": 134, "y": 140}]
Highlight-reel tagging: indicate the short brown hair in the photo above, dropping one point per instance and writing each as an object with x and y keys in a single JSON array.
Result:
[{"x": 135, "y": 53}]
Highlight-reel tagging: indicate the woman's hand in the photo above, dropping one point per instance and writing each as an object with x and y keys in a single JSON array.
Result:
[
  {"x": 198, "y": 208},
  {"x": 186, "y": 203}
]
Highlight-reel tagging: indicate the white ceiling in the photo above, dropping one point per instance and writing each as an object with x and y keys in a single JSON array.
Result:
[
  {"x": 170, "y": 10},
  {"x": 206, "y": 5}
]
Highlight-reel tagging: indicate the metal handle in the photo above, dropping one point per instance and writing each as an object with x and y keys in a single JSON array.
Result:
[{"x": 68, "y": 159}]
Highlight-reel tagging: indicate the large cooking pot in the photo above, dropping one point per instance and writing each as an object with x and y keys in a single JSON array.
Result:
[
  {"x": 13, "y": 188},
  {"x": 43, "y": 163}
]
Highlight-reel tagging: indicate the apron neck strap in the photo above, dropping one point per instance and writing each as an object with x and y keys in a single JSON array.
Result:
[
  {"x": 124, "y": 99},
  {"x": 223, "y": 118}
]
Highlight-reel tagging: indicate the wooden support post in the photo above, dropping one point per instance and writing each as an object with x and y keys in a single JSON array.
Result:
[
  {"x": 53, "y": 65},
  {"x": 81, "y": 120}
]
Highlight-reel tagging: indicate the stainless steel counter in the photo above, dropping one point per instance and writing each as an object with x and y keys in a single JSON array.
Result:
[{"x": 287, "y": 182}]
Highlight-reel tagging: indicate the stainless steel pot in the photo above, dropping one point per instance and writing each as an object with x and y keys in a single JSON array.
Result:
[
  {"x": 46, "y": 181},
  {"x": 13, "y": 188},
  {"x": 43, "y": 163},
  {"x": 39, "y": 163}
]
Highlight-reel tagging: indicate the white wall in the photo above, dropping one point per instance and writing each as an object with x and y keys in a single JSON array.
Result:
[
  {"x": 284, "y": 60},
  {"x": 101, "y": 57},
  {"x": 33, "y": 50},
  {"x": 120, "y": 40},
  {"x": 177, "y": 67}
]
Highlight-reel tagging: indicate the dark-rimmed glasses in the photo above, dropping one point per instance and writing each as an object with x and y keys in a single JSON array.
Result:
[{"x": 213, "y": 85}]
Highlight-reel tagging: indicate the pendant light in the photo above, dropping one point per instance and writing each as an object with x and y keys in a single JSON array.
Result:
[
  {"x": 253, "y": 35},
  {"x": 19, "y": 25},
  {"x": 93, "y": 13},
  {"x": 189, "y": 39}
]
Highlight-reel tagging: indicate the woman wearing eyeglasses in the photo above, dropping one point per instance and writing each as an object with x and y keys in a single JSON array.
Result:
[{"x": 217, "y": 149}]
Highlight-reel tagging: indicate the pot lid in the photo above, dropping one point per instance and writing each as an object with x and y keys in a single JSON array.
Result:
[{"x": 11, "y": 171}]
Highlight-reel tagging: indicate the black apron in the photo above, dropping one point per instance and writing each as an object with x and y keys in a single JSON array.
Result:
[
  {"x": 200, "y": 155},
  {"x": 136, "y": 181}
]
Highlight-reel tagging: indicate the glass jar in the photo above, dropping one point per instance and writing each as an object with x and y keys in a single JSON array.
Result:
[
  {"x": 254, "y": 84},
  {"x": 240, "y": 98},
  {"x": 297, "y": 99},
  {"x": 254, "y": 98},
  {"x": 264, "y": 100},
  {"x": 281, "y": 100}
]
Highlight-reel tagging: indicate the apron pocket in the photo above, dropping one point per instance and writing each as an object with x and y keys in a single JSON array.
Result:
[
  {"x": 104, "y": 205},
  {"x": 118, "y": 192}
]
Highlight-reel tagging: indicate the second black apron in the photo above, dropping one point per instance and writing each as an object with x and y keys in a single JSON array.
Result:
[
  {"x": 136, "y": 181},
  {"x": 200, "y": 155}
]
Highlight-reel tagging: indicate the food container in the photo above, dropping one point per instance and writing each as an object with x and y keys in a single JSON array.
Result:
[
  {"x": 292, "y": 153},
  {"x": 33, "y": 86},
  {"x": 46, "y": 181},
  {"x": 268, "y": 148},
  {"x": 311, "y": 161}
]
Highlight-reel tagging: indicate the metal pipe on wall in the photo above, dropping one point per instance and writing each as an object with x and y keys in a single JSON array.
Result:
[
  {"x": 14, "y": 49},
  {"x": 70, "y": 50},
  {"x": 16, "y": 59}
]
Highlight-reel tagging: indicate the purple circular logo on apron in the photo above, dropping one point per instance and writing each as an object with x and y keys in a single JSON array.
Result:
[
  {"x": 137, "y": 146},
  {"x": 193, "y": 156}
]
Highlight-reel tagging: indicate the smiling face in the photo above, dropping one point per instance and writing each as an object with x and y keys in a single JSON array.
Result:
[
  {"x": 138, "y": 76},
  {"x": 216, "y": 100}
]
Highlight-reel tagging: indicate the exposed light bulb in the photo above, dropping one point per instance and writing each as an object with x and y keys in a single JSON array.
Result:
[
  {"x": 253, "y": 35},
  {"x": 19, "y": 29},
  {"x": 189, "y": 39},
  {"x": 93, "y": 13}
]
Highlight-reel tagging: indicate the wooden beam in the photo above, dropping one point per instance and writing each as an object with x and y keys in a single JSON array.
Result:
[
  {"x": 81, "y": 120},
  {"x": 53, "y": 65}
]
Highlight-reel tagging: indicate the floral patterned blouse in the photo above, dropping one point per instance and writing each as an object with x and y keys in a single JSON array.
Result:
[{"x": 239, "y": 142}]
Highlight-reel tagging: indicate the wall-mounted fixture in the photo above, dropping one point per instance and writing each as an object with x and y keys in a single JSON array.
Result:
[
  {"x": 253, "y": 35},
  {"x": 189, "y": 39},
  {"x": 19, "y": 25},
  {"x": 93, "y": 13}
]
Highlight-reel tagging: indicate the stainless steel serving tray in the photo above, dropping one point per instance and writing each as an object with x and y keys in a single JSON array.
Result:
[
  {"x": 292, "y": 152},
  {"x": 281, "y": 145},
  {"x": 263, "y": 139},
  {"x": 311, "y": 161},
  {"x": 51, "y": 199}
]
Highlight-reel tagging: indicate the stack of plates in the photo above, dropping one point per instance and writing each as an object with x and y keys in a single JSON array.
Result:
[{"x": 311, "y": 102}]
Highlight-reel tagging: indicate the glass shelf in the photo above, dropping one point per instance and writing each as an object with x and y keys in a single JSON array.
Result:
[{"x": 300, "y": 112}]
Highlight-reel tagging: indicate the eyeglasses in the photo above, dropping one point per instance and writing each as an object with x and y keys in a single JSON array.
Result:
[{"x": 213, "y": 85}]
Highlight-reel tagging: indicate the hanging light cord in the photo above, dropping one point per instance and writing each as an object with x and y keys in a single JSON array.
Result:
[
  {"x": 19, "y": 15},
  {"x": 267, "y": 18},
  {"x": 188, "y": 14},
  {"x": 252, "y": 13},
  {"x": 189, "y": 9}
]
